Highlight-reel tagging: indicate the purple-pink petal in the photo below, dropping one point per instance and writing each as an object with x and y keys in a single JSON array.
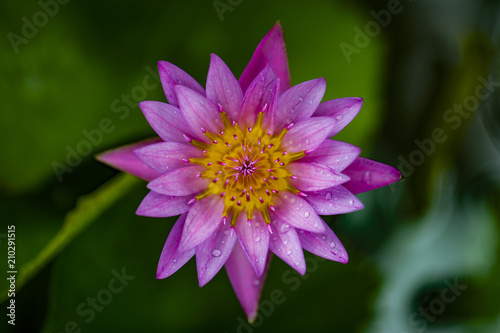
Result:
[
  {"x": 160, "y": 205},
  {"x": 170, "y": 76},
  {"x": 334, "y": 200},
  {"x": 297, "y": 212},
  {"x": 342, "y": 109},
  {"x": 212, "y": 253},
  {"x": 124, "y": 159},
  {"x": 254, "y": 239},
  {"x": 325, "y": 244},
  {"x": 171, "y": 258},
  {"x": 366, "y": 175},
  {"x": 223, "y": 88},
  {"x": 299, "y": 102},
  {"x": 201, "y": 222},
  {"x": 308, "y": 134},
  {"x": 182, "y": 181},
  {"x": 271, "y": 51},
  {"x": 167, "y": 156},
  {"x": 335, "y": 154},
  {"x": 314, "y": 176},
  {"x": 285, "y": 243},
  {"x": 246, "y": 284}
]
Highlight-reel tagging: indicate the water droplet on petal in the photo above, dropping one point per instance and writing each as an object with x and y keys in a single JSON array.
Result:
[
  {"x": 256, "y": 282},
  {"x": 226, "y": 232},
  {"x": 307, "y": 214},
  {"x": 332, "y": 245},
  {"x": 174, "y": 260},
  {"x": 328, "y": 196},
  {"x": 367, "y": 177},
  {"x": 351, "y": 202},
  {"x": 323, "y": 237},
  {"x": 257, "y": 239},
  {"x": 310, "y": 101},
  {"x": 339, "y": 117},
  {"x": 289, "y": 252},
  {"x": 216, "y": 253},
  {"x": 292, "y": 200},
  {"x": 284, "y": 228},
  {"x": 285, "y": 242}
]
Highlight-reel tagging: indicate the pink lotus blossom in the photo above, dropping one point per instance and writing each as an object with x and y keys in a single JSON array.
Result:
[{"x": 249, "y": 166}]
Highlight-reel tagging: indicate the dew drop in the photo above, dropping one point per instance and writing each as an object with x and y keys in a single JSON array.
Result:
[
  {"x": 285, "y": 242},
  {"x": 367, "y": 177},
  {"x": 351, "y": 202},
  {"x": 257, "y": 239},
  {"x": 226, "y": 232},
  {"x": 307, "y": 214},
  {"x": 284, "y": 228},
  {"x": 332, "y": 245},
  {"x": 310, "y": 101},
  {"x": 339, "y": 117},
  {"x": 328, "y": 196},
  {"x": 289, "y": 252},
  {"x": 223, "y": 242},
  {"x": 323, "y": 237},
  {"x": 216, "y": 253},
  {"x": 174, "y": 260},
  {"x": 256, "y": 282},
  {"x": 292, "y": 200},
  {"x": 275, "y": 238}
]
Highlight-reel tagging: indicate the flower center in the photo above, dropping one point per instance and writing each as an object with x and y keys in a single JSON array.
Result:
[{"x": 247, "y": 168}]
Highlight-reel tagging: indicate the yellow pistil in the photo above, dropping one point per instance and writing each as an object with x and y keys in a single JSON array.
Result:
[{"x": 247, "y": 168}]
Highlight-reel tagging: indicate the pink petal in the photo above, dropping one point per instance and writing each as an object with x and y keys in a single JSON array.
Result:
[
  {"x": 170, "y": 76},
  {"x": 342, "y": 109},
  {"x": 212, "y": 254},
  {"x": 314, "y": 177},
  {"x": 166, "y": 120},
  {"x": 182, "y": 181},
  {"x": 246, "y": 284},
  {"x": 200, "y": 113},
  {"x": 299, "y": 102},
  {"x": 296, "y": 211},
  {"x": 325, "y": 244},
  {"x": 160, "y": 205},
  {"x": 223, "y": 88},
  {"x": 171, "y": 258},
  {"x": 334, "y": 200},
  {"x": 261, "y": 95},
  {"x": 271, "y": 51},
  {"x": 368, "y": 175},
  {"x": 167, "y": 156},
  {"x": 308, "y": 134},
  {"x": 201, "y": 222},
  {"x": 124, "y": 159},
  {"x": 335, "y": 154},
  {"x": 254, "y": 239},
  {"x": 285, "y": 243}
]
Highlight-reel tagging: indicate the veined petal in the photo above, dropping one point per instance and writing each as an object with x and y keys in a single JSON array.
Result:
[
  {"x": 246, "y": 284},
  {"x": 212, "y": 253},
  {"x": 334, "y": 200},
  {"x": 201, "y": 222},
  {"x": 170, "y": 76},
  {"x": 200, "y": 113},
  {"x": 297, "y": 212},
  {"x": 223, "y": 88},
  {"x": 171, "y": 258},
  {"x": 314, "y": 177},
  {"x": 285, "y": 243},
  {"x": 166, "y": 120},
  {"x": 167, "y": 156},
  {"x": 299, "y": 102},
  {"x": 272, "y": 51},
  {"x": 342, "y": 109},
  {"x": 160, "y": 205},
  {"x": 335, "y": 154},
  {"x": 124, "y": 159},
  {"x": 325, "y": 244},
  {"x": 368, "y": 175},
  {"x": 254, "y": 239},
  {"x": 308, "y": 134},
  {"x": 180, "y": 182}
]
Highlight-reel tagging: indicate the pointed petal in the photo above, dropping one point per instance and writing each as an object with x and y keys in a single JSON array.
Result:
[
  {"x": 170, "y": 76},
  {"x": 167, "y": 156},
  {"x": 314, "y": 177},
  {"x": 334, "y": 200},
  {"x": 124, "y": 159},
  {"x": 325, "y": 244},
  {"x": 200, "y": 113},
  {"x": 271, "y": 50},
  {"x": 160, "y": 205},
  {"x": 262, "y": 94},
  {"x": 246, "y": 284},
  {"x": 335, "y": 154},
  {"x": 308, "y": 134},
  {"x": 201, "y": 222},
  {"x": 285, "y": 243},
  {"x": 166, "y": 120},
  {"x": 342, "y": 109},
  {"x": 223, "y": 88},
  {"x": 171, "y": 258},
  {"x": 368, "y": 175},
  {"x": 212, "y": 254},
  {"x": 182, "y": 181},
  {"x": 299, "y": 102},
  {"x": 297, "y": 212},
  {"x": 254, "y": 239}
]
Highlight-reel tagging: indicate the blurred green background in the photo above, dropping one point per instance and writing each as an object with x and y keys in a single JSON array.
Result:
[{"x": 424, "y": 252}]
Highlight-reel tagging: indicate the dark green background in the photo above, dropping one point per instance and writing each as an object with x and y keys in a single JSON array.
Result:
[{"x": 438, "y": 227}]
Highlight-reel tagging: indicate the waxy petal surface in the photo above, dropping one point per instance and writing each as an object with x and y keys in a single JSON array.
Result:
[
  {"x": 314, "y": 177},
  {"x": 334, "y": 200},
  {"x": 254, "y": 239},
  {"x": 308, "y": 134},
  {"x": 335, "y": 154},
  {"x": 170, "y": 76},
  {"x": 285, "y": 243},
  {"x": 368, "y": 175},
  {"x": 297, "y": 212},
  {"x": 167, "y": 156},
  {"x": 326, "y": 245},
  {"x": 342, "y": 109},
  {"x": 182, "y": 181},
  {"x": 160, "y": 205}
]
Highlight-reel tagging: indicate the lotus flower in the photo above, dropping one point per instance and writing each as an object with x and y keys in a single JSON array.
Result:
[{"x": 249, "y": 166}]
